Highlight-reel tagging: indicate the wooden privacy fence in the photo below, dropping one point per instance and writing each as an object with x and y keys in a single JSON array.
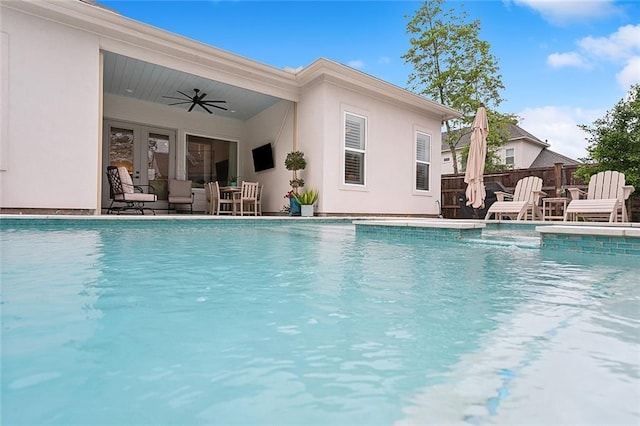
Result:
[{"x": 555, "y": 181}]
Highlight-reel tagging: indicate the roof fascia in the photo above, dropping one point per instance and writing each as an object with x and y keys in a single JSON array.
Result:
[{"x": 324, "y": 70}]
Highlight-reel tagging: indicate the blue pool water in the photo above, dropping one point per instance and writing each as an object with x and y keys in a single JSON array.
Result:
[{"x": 203, "y": 322}]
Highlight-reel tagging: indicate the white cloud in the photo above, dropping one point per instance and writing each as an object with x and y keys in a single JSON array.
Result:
[
  {"x": 559, "y": 127},
  {"x": 384, "y": 60},
  {"x": 356, "y": 63},
  {"x": 571, "y": 59},
  {"x": 630, "y": 74},
  {"x": 620, "y": 48},
  {"x": 561, "y": 12}
]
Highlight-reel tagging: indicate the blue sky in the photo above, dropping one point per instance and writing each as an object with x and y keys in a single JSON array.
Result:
[{"x": 563, "y": 63}]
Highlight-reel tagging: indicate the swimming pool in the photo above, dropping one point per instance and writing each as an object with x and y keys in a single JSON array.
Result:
[{"x": 219, "y": 322}]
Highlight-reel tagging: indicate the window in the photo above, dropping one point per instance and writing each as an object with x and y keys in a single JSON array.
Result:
[
  {"x": 355, "y": 135},
  {"x": 423, "y": 160},
  {"x": 509, "y": 157},
  {"x": 208, "y": 160}
]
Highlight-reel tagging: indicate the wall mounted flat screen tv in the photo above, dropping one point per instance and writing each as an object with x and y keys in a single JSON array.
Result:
[{"x": 262, "y": 158}]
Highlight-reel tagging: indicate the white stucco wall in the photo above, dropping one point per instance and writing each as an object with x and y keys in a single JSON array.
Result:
[
  {"x": 528, "y": 152},
  {"x": 390, "y": 153},
  {"x": 275, "y": 126},
  {"x": 53, "y": 114}
]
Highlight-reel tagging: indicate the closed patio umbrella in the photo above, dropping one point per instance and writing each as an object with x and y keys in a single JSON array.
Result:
[{"x": 475, "y": 162}]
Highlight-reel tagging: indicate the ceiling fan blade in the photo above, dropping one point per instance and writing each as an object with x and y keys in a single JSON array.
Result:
[
  {"x": 180, "y": 103},
  {"x": 205, "y": 108},
  {"x": 219, "y": 107},
  {"x": 201, "y": 97},
  {"x": 191, "y": 107},
  {"x": 210, "y": 102},
  {"x": 182, "y": 93},
  {"x": 180, "y": 99}
]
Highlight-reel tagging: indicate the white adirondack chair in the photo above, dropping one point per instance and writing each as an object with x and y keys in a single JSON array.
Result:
[
  {"x": 524, "y": 201},
  {"x": 604, "y": 200}
]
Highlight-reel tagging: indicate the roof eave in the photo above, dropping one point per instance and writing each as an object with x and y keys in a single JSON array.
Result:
[{"x": 336, "y": 73}]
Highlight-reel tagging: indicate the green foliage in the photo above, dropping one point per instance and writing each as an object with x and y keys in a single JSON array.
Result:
[
  {"x": 296, "y": 183},
  {"x": 295, "y": 161},
  {"x": 307, "y": 197},
  {"x": 614, "y": 141},
  {"x": 452, "y": 65}
]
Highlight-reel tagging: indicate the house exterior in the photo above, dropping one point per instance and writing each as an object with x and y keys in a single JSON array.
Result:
[
  {"x": 521, "y": 151},
  {"x": 84, "y": 87}
]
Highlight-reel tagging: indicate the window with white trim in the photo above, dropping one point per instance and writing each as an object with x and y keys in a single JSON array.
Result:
[
  {"x": 423, "y": 161},
  {"x": 355, "y": 142},
  {"x": 510, "y": 156}
]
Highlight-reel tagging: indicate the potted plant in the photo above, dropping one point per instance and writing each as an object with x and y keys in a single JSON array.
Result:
[
  {"x": 295, "y": 161},
  {"x": 233, "y": 180},
  {"x": 307, "y": 199}
]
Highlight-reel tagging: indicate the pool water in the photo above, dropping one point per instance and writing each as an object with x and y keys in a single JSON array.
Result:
[{"x": 214, "y": 323}]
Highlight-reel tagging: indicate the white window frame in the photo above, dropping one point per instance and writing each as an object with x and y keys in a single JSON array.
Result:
[
  {"x": 512, "y": 156},
  {"x": 418, "y": 161},
  {"x": 346, "y": 149}
]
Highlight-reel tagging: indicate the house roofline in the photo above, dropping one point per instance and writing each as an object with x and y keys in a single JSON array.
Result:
[
  {"x": 337, "y": 73},
  {"x": 122, "y": 35}
]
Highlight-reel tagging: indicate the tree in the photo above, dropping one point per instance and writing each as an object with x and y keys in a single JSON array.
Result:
[
  {"x": 452, "y": 66},
  {"x": 614, "y": 141}
]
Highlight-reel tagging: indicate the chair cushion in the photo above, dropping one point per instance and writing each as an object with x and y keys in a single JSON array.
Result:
[
  {"x": 180, "y": 200},
  {"x": 137, "y": 196},
  {"x": 125, "y": 179}
]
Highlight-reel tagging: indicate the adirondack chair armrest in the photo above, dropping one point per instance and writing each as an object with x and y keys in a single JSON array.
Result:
[
  {"x": 502, "y": 196},
  {"x": 576, "y": 192},
  {"x": 627, "y": 190},
  {"x": 537, "y": 195}
]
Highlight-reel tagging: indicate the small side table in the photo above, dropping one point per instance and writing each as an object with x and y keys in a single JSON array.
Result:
[{"x": 553, "y": 208}]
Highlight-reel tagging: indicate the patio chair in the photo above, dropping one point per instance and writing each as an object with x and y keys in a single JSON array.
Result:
[
  {"x": 524, "y": 201},
  {"x": 259, "y": 203},
  {"x": 247, "y": 198},
  {"x": 217, "y": 202},
  {"x": 122, "y": 191},
  {"x": 180, "y": 192},
  {"x": 604, "y": 200}
]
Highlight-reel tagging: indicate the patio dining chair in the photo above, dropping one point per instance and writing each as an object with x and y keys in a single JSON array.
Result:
[
  {"x": 216, "y": 202},
  {"x": 125, "y": 195},
  {"x": 247, "y": 199}
]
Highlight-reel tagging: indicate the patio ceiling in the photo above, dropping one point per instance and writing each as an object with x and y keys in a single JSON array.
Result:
[{"x": 129, "y": 77}]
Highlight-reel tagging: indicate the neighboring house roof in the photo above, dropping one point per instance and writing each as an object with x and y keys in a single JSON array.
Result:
[
  {"x": 548, "y": 158},
  {"x": 515, "y": 132}
]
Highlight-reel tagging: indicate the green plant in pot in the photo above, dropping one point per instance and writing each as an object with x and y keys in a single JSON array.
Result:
[
  {"x": 307, "y": 199},
  {"x": 295, "y": 161}
]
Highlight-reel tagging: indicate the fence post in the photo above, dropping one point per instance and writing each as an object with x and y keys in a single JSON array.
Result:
[{"x": 559, "y": 186}]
